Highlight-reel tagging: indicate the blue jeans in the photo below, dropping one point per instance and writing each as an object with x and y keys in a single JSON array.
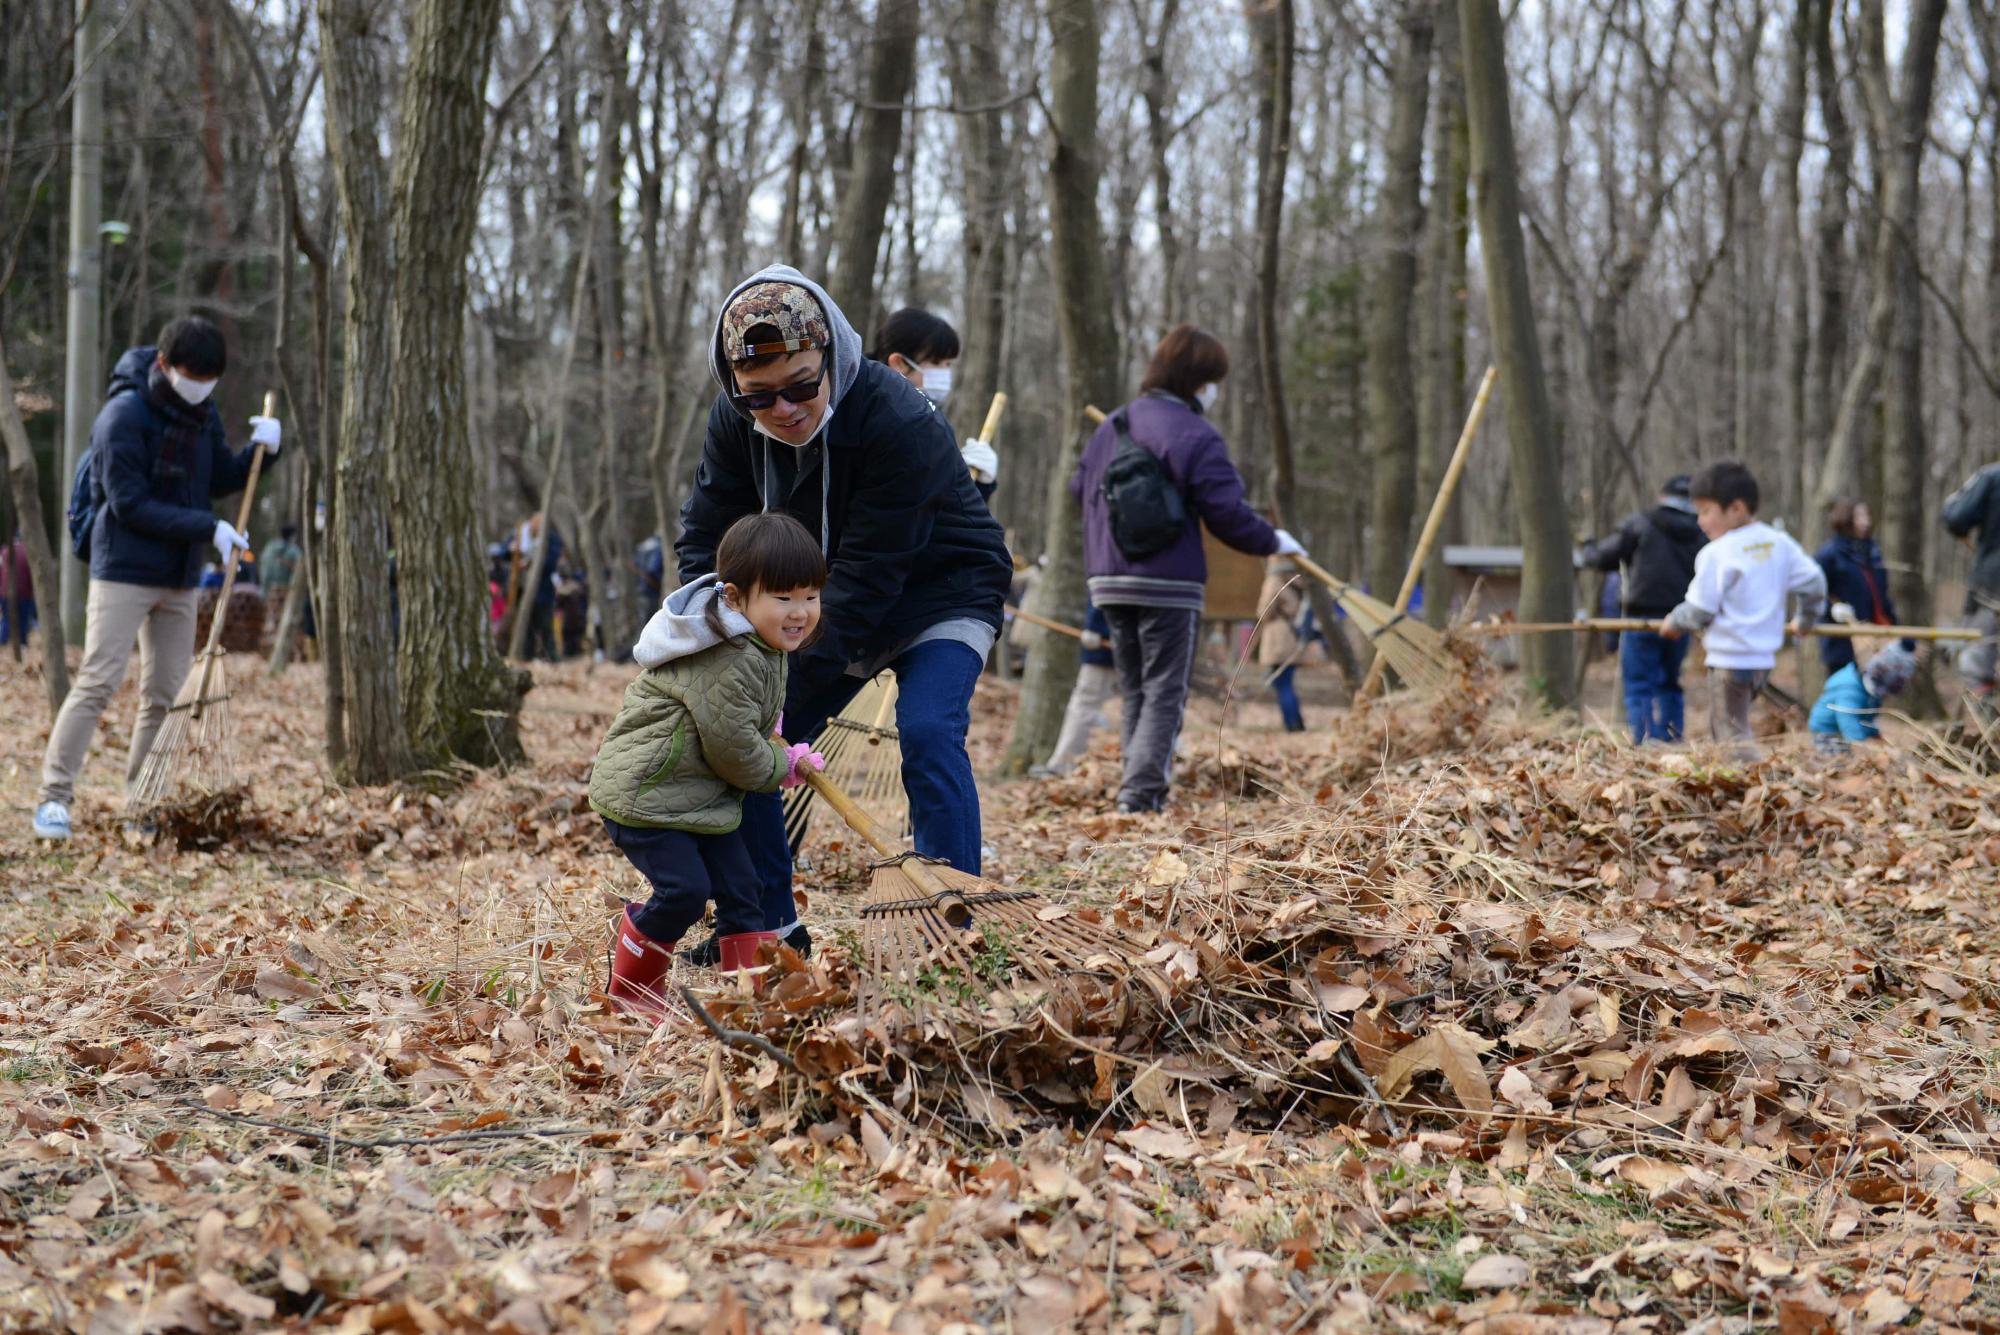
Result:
[
  {"x": 1651, "y": 668},
  {"x": 933, "y": 714},
  {"x": 1288, "y": 699}
]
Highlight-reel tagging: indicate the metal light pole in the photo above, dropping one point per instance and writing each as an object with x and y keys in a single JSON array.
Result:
[{"x": 83, "y": 363}]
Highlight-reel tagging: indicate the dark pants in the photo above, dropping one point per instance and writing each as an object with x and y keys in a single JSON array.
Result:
[
  {"x": 933, "y": 713},
  {"x": 17, "y": 632},
  {"x": 542, "y": 631},
  {"x": 1288, "y": 698},
  {"x": 686, "y": 872},
  {"x": 1650, "y": 666},
  {"x": 1153, "y": 651},
  {"x": 1732, "y": 691}
]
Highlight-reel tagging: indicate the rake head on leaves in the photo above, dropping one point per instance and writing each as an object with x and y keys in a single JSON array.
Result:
[
  {"x": 864, "y": 757},
  {"x": 932, "y": 937},
  {"x": 1417, "y": 653}
]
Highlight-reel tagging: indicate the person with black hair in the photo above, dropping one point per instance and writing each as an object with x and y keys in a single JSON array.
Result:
[
  {"x": 920, "y": 347},
  {"x": 1743, "y": 580},
  {"x": 1973, "y": 513},
  {"x": 157, "y": 462},
  {"x": 1655, "y": 549}
]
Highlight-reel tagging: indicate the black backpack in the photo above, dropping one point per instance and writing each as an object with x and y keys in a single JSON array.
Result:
[
  {"x": 84, "y": 500},
  {"x": 1148, "y": 512}
]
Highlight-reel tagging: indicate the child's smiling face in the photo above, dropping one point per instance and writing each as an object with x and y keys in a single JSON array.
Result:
[{"x": 783, "y": 619}]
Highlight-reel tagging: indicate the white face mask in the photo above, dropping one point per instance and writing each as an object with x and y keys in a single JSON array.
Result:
[
  {"x": 1205, "y": 396},
  {"x": 193, "y": 392},
  {"x": 937, "y": 382}
]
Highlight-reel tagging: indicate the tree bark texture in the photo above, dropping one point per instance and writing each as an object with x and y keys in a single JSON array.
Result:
[
  {"x": 979, "y": 80},
  {"x": 1444, "y": 275},
  {"x": 459, "y": 700},
  {"x": 1546, "y": 582},
  {"x": 1398, "y": 231},
  {"x": 1090, "y": 359},
  {"x": 24, "y": 480},
  {"x": 858, "y": 235},
  {"x": 352, "y": 46}
]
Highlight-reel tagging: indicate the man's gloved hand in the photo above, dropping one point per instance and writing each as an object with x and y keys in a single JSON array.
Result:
[
  {"x": 227, "y": 539},
  {"x": 265, "y": 431},
  {"x": 1289, "y": 545},
  {"x": 983, "y": 460},
  {"x": 1843, "y": 613},
  {"x": 799, "y": 757},
  {"x": 1092, "y": 640}
]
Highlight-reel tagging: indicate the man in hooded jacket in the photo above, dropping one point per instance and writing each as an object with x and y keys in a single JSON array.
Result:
[
  {"x": 917, "y": 567},
  {"x": 1656, "y": 549}
]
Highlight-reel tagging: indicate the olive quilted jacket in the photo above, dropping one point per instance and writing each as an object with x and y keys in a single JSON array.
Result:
[{"x": 692, "y": 736}]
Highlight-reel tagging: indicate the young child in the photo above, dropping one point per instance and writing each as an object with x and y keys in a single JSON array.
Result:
[
  {"x": 1742, "y": 581},
  {"x": 696, "y": 731},
  {"x": 1847, "y": 707}
]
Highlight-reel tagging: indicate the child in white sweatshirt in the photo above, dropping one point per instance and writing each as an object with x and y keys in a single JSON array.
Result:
[{"x": 1743, "y": 581}]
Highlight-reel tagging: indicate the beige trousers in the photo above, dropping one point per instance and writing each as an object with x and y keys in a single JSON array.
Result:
[{"x": 162, "y": 621}]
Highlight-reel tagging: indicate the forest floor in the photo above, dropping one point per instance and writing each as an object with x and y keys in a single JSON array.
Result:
[{"x": 1474, "y": 1023}]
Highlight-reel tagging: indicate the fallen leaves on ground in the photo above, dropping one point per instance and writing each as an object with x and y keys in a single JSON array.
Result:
[{"x": 1471, "y": 1023}]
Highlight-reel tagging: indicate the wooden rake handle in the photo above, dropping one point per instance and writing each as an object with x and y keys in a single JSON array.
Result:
[
  {"x": 993, "y": 413},
  {"x": 1822, "y": 632},
  {"x": 221, "y": 613},
  {"x": 949, "y": 904},
  {"x": 1046, "y": 623}
]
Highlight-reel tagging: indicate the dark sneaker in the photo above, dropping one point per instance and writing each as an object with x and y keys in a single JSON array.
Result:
[
  {"x": 799, "y": 939},
  {"x": 704, "y": 954}
]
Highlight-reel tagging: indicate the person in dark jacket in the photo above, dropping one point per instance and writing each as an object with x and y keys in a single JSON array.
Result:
[
  {"x": 1857, "y": 583},
  {"x": 1654, "y": 551},
  {"x": 1973, "y": 511},
  {"x": 920, "y": 347},
  {"x": 917, "y": 567},
  {"x": 157, "y": 462},
  {"x": 1153, "y": 605}
]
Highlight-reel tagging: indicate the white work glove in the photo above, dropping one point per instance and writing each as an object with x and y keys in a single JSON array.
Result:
[
  {"x": 1092, "y": 640},
  {"x": 1289, "y": 545},
  {"x": 265, "y": 431},
  {"x": 227, "y": 539},
  {"x": 1843, "y": 613},
  {"x": 983, "y": 460}
]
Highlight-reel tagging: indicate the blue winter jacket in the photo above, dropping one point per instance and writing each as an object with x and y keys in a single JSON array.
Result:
[
  {"x": 158, "y": 466},
  {"x": 1846, "y": 707}
]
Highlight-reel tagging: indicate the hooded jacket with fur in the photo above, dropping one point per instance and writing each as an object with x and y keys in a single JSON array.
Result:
[
  {"x": 695, "y": 730},
  {"x": 909, "y": 541}
]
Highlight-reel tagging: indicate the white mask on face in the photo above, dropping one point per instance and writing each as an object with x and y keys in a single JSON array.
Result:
[
  {"x": 193, "y": 392},
  {"x": 1205, "y": 396},
  {"x": 937, "y": 383}
]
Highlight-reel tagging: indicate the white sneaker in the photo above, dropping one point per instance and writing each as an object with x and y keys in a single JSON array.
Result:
[{"x": 52, "y": 821}]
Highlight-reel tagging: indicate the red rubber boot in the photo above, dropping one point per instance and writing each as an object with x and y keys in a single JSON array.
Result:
[
  {"x": 739, "y": 952},
  {"x": 638, "y": 966}
]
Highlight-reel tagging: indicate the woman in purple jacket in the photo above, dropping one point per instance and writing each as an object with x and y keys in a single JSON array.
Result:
[{"x": 1153, "y": 604}]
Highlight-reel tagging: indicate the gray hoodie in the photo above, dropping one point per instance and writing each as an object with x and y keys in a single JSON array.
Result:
[{"x": 681, "y": 627}]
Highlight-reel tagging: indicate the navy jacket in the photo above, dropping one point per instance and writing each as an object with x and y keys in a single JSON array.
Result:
[
  {"x": 1197, "y": 460},
  {"x": 158, "y": 465},
  {"x": 1657, "y": 548},
  {"x": 1856, "y": 576},
  {"x": 909, "y": 542}
]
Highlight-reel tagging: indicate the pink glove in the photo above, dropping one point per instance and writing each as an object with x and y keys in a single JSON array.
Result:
[{"x": 800, "y": 756}]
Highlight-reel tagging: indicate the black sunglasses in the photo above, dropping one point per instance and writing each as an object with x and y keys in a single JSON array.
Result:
[{"x": 803, "y": 392}]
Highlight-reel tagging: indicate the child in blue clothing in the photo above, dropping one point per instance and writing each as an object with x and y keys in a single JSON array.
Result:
[{"x": 1854, "y": 695}]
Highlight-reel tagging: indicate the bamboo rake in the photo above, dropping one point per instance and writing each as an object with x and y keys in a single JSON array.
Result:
[
  {"x": 1046, "y": 623},
  {"x": 1826, "y": 631},
  {"x": 1440, "y": 505},
  {"x": 190, "y": 759}
]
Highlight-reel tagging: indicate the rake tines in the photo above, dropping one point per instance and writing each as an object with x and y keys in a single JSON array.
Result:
[
  {"x": 1417, "y": 652},
  {"x": 934, "y": 936},
  {"x": 864, "y": 758}
]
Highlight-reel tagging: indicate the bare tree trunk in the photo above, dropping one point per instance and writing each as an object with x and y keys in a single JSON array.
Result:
[
  {"x": 459, "y": 700},
  {"x": 1795, "y": 338},
  {"x": 1902, "y": 121},
  {"x": 1546, "y": 583},
  {"x": 1445, "y": 277},
  {"x": 377, "y": 748},
  {"x": 858, "y": 237},
  {"x": 1829, "y": 338},
  {"x": 1398, "y": 231},
  {"x": 24, "y": 479},
  {"x": 980, "y": 81},
  {"x": 1157, "y": 91},
  {"x": 1090, "y": 356}
]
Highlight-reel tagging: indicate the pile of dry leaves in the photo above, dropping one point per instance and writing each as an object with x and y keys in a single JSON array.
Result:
[{"x": 1469, "y": 1024}]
